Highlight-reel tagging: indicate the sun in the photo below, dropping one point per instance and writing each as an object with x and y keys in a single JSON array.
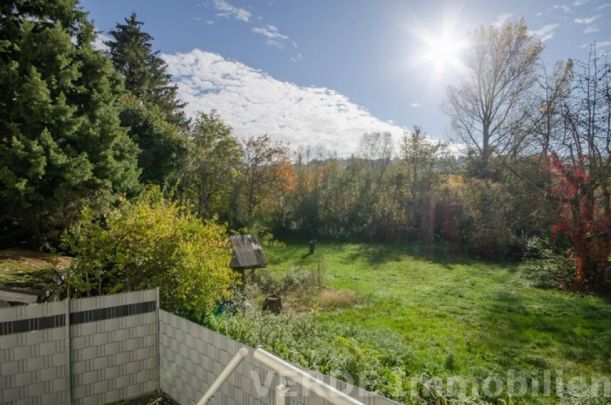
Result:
[
  {"x": 440, "y": 53},
  {"x": 443, "y": 53}
]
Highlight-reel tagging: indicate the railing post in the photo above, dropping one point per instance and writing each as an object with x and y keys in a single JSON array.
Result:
[{"x": 282, "y": 393}]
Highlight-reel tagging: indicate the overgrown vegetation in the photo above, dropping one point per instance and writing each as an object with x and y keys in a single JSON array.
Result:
[
  {"x": 421, "y": 319},
  {"x": 152, "y": 243}
]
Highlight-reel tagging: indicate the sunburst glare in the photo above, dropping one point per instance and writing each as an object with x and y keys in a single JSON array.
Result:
[{"x": 441, "y": 53}]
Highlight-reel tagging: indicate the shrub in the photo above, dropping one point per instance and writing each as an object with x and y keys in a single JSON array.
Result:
[
  {"x": 544, "y": 267},
  {"x": 152, "y": 243}
]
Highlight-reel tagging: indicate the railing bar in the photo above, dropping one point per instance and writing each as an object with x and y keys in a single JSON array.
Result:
[
  {"x": 287, "y": 370},
  {"x": 233, "y": 363},
  {"x": 304, "y": 379}
]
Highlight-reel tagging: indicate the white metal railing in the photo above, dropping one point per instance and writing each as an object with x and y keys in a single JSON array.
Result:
[
  {"x": 285, "y": 371},
  {"x": 233, "y": 363}
]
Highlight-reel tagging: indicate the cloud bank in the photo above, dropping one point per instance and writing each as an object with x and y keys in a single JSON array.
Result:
[
  {"x": 546, "y": 32},
  {"x": 254, "y": 103}
]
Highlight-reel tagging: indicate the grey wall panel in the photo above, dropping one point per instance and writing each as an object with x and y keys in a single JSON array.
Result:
[
  {"x": 113, "y": 359},
  {"x": 33, "y": 364},
  {"x": 192, "y": 356}
]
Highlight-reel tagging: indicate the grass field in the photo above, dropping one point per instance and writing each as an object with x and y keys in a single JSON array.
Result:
[
  {"x": 460, "y": 317},
  {"x": 30, "y": 267}
]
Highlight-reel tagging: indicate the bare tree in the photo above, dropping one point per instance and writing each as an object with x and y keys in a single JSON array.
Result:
[
  {"x": 488, "y": 109},
  {"x": 376, "y": 148}
]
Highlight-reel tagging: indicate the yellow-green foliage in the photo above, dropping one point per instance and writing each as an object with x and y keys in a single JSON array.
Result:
[{"x": 152, "y": 243}]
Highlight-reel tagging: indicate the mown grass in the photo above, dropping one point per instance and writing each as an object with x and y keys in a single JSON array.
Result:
[
  {"x": 460, "y": 317},
  {"x": 30, "y": 267}
]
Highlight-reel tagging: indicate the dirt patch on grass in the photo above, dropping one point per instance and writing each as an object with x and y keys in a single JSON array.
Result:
[{"x": 332, "y": 299}]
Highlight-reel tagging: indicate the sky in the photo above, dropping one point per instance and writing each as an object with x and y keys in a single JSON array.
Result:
[{"x": 320, "y": 73}]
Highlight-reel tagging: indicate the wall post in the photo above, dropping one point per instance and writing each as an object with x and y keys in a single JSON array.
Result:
[
  {"x": 158, "y": 339},
  {"x": 68, "y": 352}
]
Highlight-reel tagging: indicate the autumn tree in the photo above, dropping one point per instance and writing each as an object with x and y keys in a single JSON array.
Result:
[
  {"x": 266, "y": 176},
  {"x": 579, "y": 169},
  {"x": 490, "y": 106},
  {"x": 214, "y": 165}
]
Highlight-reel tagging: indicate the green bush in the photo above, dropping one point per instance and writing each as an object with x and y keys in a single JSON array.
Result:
[
  {"x": 152, "y": 243},
  {"x": 300, "y": 281},
  {"x": 544, "y": 267}
]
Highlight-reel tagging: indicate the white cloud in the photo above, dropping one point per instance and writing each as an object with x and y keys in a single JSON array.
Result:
[
  {"x": 272, "y": 35},
  {"x": 501, "y": 19},
  {"x": 297, "y": 58},
  {"x": 546, "y": 32},
  {"x": 269, "y": 31},
  {"x": 562, "y": 7},
  {"x": 603, "y": 6},
  {"x": 587, "y": 20},
  {"x": 98, "y": 43},
  {"x": 254, "y": 103},
  {"x": 590, "y": 29},
  {"x": 578, "y": 3},
  {"x": 227, "y": 10},
  {"x": 415, "y": 105}
]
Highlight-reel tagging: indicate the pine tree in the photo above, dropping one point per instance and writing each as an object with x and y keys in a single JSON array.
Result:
[
  {"x": 61, "y": 141},
  {"x": 152, "y": 112},
  {"x": 143, "y": 69}
]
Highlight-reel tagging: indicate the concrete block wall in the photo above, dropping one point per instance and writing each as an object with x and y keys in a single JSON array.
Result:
[
  {"x": 192, "y": 356},
  {"x": 33, "y": 354},
  {"x": 83, "y": 351},
  {"x": 115, "y": 358},
  {"x": 110, "y": 348}
]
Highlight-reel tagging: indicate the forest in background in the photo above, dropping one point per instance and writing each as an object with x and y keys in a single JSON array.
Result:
[{"x": 84, "y": 130}]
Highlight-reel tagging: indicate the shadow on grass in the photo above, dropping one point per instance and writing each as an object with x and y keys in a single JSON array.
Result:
[
  {"x": 377, "y": 254},
  {"x": 43, "y": 279},
  {"x": 576, "y": 328}
]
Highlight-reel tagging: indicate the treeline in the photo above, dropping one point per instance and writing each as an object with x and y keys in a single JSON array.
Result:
[{"x": 84, "y": 129}]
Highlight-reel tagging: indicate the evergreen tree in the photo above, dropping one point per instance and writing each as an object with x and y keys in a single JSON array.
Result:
[
  {"x": 163, "y": 145},
  {"x": 144, "y": 71},
  {"x": 61, "y": 141},
  {"x": 153, "y": 113}
]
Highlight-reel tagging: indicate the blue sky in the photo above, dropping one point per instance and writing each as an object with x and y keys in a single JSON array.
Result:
[{"x": 321, "y": 72}]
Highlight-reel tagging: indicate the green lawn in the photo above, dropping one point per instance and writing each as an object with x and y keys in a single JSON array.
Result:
[
  {"x": 484, "y": 315},
  {"x": 30, "y": 267}
]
